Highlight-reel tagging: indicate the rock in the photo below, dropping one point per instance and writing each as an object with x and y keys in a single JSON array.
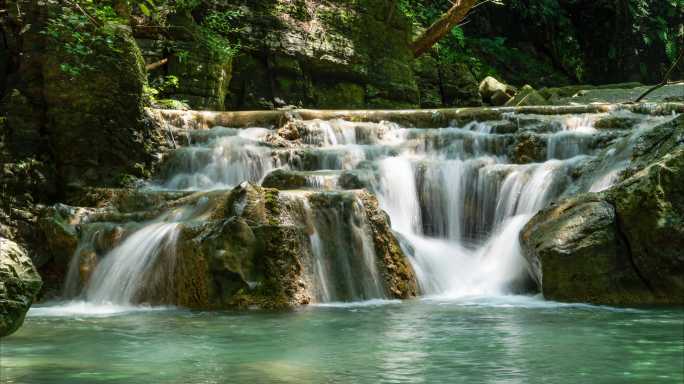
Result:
[
  {"x": 499, "y": 98},
  {"x": 489, "y": 86},
  {"x": 326, "y": 66},
  {"x": 616, "y": 122},
  {"x": 19, "y": 284},
  {"x": 624, "y": 245},
  {"x": 283, "y": 179},
  {"x": 352, "y": 180},
  {"x": 527, "y": 96},
  {"x": 575, "y": 253},
  {"x": 529, "y": 148},
  {"x": 252, "y": 247},
  {"x": 399, "y": 276}
]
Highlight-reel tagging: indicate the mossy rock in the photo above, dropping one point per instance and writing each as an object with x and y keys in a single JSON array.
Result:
[
  {"x": 20, "y": 284},
  {"x": 527, "y": 96}
]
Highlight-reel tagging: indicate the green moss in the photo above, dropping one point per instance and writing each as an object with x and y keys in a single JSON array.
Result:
[{"x": 272, "y": 203}]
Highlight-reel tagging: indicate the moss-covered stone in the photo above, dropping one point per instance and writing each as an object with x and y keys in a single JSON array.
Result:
[
  {"x": 400, "y": 278},
  {"x": 622, "y": 246},
  {"x": 529, "y": 148},
  {"x": 282, "y": 179},
  {"x": 19, "y": 284}
]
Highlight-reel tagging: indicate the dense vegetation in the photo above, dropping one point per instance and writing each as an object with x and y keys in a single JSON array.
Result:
[
  {"x": 542, "y": 42},
  {"x": 552, "y": 42}
]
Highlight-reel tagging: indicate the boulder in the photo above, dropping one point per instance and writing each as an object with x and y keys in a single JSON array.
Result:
[
  {"x": 493, "y": 91},
  {"x": 527, "y": 96},
  {"x": 489, "y": 86},
  {"x": 19, "y": 284},
  {"x": 576, "y": 253},
  {"x": 624, "y": 245}
]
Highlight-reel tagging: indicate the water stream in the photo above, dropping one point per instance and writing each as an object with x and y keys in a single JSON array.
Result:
[{"x": 457, "y": 197}]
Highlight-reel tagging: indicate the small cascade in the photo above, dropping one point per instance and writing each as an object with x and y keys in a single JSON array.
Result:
[
  {"x": 139, "y": 267},
  {"x": 457, "y": 198},
  {"x": 344, "y": 261},
  {"x": 129, "y": 268},
  {"x": 222, "y": 160}
]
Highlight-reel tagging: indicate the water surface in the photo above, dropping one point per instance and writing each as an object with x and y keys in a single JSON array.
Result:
[{"x": 509, "y": 339}]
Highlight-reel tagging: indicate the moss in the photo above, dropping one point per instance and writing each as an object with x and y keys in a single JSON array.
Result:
[
  {"x": 272, "y": 203},
  {"x": 339, "y": 96}
]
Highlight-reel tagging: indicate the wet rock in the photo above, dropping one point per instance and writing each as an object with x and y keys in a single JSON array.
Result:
[
  {"x": 400, "y": 279},
  {"x": 624, "y": 245},
  {"x": 282, "y": 179},
  {"x": 19, "y": 284},
  {"x": 575, "y": 253},
  {"x": 489, "y": 87},
  {"x": 616, "y": 122},
  {"x": 529, "y": 148},
  {"x": 352, "y": 180}
]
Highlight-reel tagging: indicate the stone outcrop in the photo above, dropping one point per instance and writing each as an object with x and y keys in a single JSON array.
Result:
[
  {"x": 71, "y": 129},
  {"x": 248, "y": 247},
  {"x": 19, "y": 284},
  {"x": 526, "y": 96},
  {"x": 315, "y": 54},
  {"x": 621, "y": 246},
  {"x": 495, "y": 92}
]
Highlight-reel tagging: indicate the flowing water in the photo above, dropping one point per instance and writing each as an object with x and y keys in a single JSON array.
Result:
[
  {"x": 457, "y": 198},
  {"x": 479, "y": 340}
]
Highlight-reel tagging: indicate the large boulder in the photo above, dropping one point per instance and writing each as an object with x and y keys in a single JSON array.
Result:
[
  {"x": 494, "y": 92},
  {"x": 624, "y": 245},
  {"x": 19, "y": 284},
  {"x": 576, "y": 253},
  {"x": 250, "y": 247}
]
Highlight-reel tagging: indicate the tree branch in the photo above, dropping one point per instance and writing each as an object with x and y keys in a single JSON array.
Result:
[
  {"x": 666, "y": 79},
  {"x": 156, "y": 64},
  {"x": 442, "y": 27}
]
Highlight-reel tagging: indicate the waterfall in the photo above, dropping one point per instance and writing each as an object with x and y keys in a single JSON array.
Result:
[
  {"x": 457, "y": 197},
  {"x": 126, "y": 270},
  {"x": 344, "y": 261}
]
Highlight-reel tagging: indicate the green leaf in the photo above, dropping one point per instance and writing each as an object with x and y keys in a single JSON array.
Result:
[{"x": 144, "y": 9}]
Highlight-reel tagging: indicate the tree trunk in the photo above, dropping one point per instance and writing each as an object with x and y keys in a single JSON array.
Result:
[{"x": 442, "y": 27}]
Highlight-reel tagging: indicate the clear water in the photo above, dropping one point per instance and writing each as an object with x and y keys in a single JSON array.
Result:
[{"x": 496, "y": 340}]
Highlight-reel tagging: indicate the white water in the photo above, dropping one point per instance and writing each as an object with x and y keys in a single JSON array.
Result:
[
  {"x": 124, "y": 271},
  {"x": 344, "y": 260},
  {"x": 454, "y": 197}
]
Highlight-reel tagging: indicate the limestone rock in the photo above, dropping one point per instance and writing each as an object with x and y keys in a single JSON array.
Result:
[
  {"x": 19, "y": 284},
  {"x": 576, "y": 253},
  {"x": 624, "y": 245},
  {"x": 491, "y": 86},
  {"x": 282, "y": 179},
  {"x": 529, "y": 148}
]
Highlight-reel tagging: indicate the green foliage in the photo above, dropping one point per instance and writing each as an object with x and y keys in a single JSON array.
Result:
[
  {"x": 80, "y": 37},
  {"x": 213, "y": 31},
  {"x": 655, "y": 26},
  {"x": 161, "y": 86}
]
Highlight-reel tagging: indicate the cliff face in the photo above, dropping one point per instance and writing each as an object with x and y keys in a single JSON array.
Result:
[{"x": 317, "y": 54}]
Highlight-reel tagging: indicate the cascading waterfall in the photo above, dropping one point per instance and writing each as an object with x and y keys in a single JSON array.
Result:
[
  {"x": 123, "y": 272},
  {"x": 344, "y": 261},
  {"x": 454, "y": 195}
]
